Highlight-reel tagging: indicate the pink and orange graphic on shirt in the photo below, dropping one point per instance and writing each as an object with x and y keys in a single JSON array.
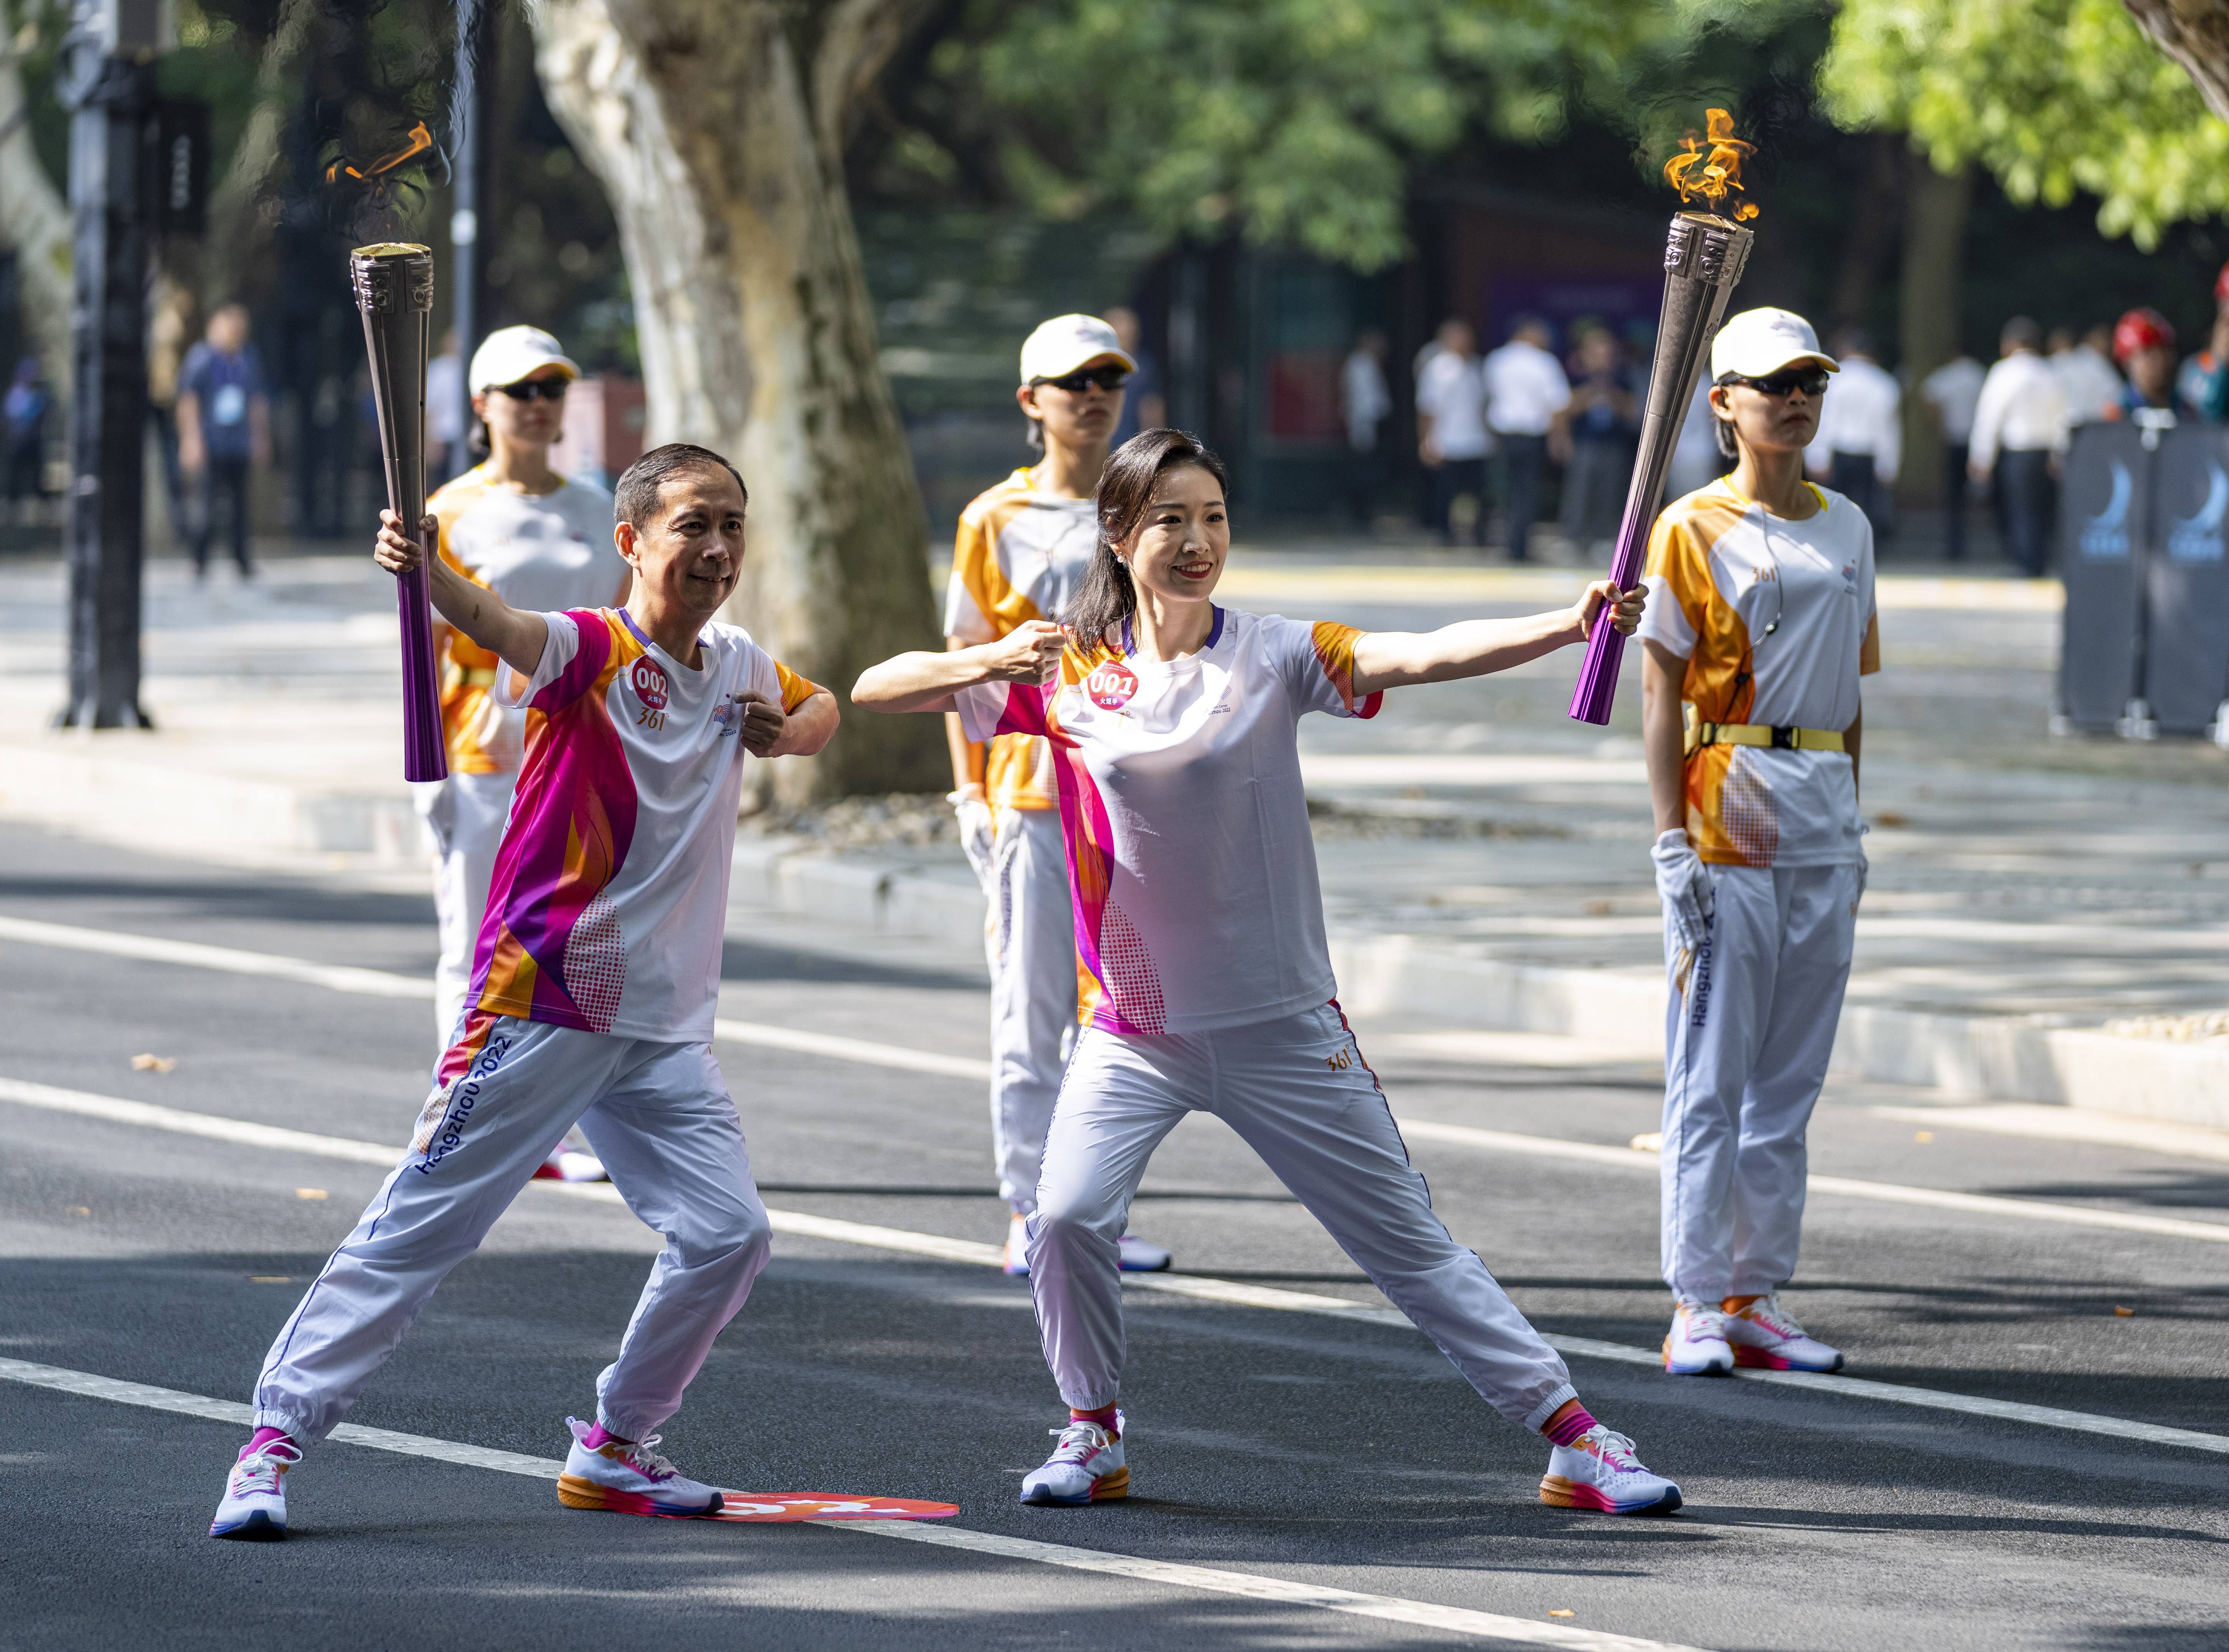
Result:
[
  {"x": 550, "y": 948},
  {"x": 1335, "y": 647}
]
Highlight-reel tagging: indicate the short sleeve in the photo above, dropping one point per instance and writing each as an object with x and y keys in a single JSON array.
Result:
[
  {"x": 989, "y": 709},
  {"x": 796, "y": 690},
  {"x": 1675, "y": 577},
  {"x": 1317, "y": 662},
  {"x": 970, "y": 597},
  {"x": 564, "y": 672}
]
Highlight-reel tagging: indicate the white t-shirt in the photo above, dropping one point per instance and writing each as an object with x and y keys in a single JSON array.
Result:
[
  {"x": 1859, "y": 417},
  {"x": 1452, "y": 389},
  {"x": 2022, "y": 409},
  {"x": 1192, "y": 867},
  {"x": 1524, "y": 389},
  {"x": 1363, "y": 399},
  {"x": 2088, "y": 382},
  {"x": 1777, "y": 622},
  {"x": 1955, "y": 387},
  {"x": 535, "y": 551},
  {"x": 610, "y": 892}
]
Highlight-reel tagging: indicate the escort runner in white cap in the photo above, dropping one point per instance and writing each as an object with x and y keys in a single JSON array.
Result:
[
  {"x": 593, "y": 983},
  {"x": 1205, "y": 980},
  {"x": 538, "y": 540},
  {"x": 1021, "y": 550},
  {"x": 1760, "y": 622}
]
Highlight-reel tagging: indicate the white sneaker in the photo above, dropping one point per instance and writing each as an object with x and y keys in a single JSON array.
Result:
[
  {"x": 254, "y": 1506},
  {"x": 567, "y": 1165},
  {"x": 1017, "y": 1247},
  {"x": 1696, "y": 1344},
  {"x": 628, "y": 1477},
  {"x": 1138, "y": 1257},
  {"x": 1599, "y": 1471},
  {"x": 1766, "y": 1334},
  {"x": 1086, "y": 1467}
]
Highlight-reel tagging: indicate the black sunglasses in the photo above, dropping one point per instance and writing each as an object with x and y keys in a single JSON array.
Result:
[
  {"x": 536, "y": 390},
  {"x": 1108, "y": 377},
  {"x": 1812, "y": 380}
]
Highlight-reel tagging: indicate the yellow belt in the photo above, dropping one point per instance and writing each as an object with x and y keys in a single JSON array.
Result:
[{"x": 1779, "y": 736}]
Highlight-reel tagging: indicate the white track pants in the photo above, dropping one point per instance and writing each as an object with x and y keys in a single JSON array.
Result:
[
  {"x": 1745, "y": 1049},
  {"x": 464, "y": 816},
  {"x": 657, "y": 1116},
  {"x": 1297, "y": 1091},
  {"x": 1029, "y": 936}
]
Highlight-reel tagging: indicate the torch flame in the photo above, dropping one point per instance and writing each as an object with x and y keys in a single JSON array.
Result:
[
  {"x": 1708, "y": 167},
  {"x": 420, "y": 140}
]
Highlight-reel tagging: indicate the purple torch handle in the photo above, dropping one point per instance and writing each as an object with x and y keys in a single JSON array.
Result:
[
  {"x": 424, "y": 746},
  {"x": 1703, "y": 259}
]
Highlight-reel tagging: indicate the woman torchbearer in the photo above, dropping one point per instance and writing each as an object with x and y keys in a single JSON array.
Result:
[
  {"x": 1172, "y": 727},
  {"x": 1760, "y": 622}
]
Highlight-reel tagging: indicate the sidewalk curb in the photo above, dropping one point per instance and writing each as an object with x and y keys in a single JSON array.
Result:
[{"x": 2010, "y": 1057}]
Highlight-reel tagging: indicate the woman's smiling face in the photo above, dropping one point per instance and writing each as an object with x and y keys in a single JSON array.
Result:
[{"x": 1183, "y": 540}]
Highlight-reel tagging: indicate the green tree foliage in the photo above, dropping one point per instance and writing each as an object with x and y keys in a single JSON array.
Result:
[
  {"x": 1300, "y": 121},
  {"x": 2053, "y": 96}
]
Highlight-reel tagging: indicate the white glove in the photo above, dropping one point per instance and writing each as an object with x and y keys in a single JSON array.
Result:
[
  {"x": 977, "y": 827},
  {"x": 1684, "y": 887}
]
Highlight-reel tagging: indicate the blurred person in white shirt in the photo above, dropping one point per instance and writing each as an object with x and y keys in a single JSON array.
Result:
[
  {"x": 1451, "y": 433},
  {"x": 1860, "y": 440},
  {"x": 1365, "y": 403},
  {"x": 2085, "y": 373},
  {"x": 1953, "y": 391},
  {"x": 2020, "y": 429},
  {"x": 1525, "y": 390},
  {"x": 445, "y": 415}
]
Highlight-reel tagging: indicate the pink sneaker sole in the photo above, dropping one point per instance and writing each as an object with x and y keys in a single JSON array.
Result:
[
  {"x": 1559, "y": 1492},
  {"x": 575, "y": 1492}
]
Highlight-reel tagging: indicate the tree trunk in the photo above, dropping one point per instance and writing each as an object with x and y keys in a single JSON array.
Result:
[
  {"x": 34, "y": 225},
  {"x": 2195, "y": 34},
  {"x": 240, "y": 232},
  {"x": 716, "y": 127},
  {"x": 1935, "y": 205},
  {"x": 1871, "y": 235}
]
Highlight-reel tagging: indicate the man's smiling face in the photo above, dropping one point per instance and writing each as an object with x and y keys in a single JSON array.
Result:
[{"x": 690, "y": 551}]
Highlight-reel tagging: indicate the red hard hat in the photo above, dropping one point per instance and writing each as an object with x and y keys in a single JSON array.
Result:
[
  {"x": 2143, "y": 328},
  {"x": 2222, "y": 288}
]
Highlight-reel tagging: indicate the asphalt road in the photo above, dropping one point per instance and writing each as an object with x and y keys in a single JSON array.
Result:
[{"x": 1291, "y": 1446}]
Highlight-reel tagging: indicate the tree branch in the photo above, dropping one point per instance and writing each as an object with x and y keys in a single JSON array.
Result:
[{"x": 2195, "y": 34}]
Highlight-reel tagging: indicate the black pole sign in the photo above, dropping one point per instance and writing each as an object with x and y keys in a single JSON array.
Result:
[
  {"x": 115, "y": 142},
  {"x": 2187, "y": 577},
  {"x": 2103, "y": 518}
]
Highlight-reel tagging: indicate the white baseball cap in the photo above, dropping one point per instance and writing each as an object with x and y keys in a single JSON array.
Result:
[
  {"x": 1757, "y": 344},
  {"x": 508, "y": 354},
  {"x": 1058, "y": 347}
]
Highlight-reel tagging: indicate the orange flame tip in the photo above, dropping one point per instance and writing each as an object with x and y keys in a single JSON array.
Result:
[
  {"x": 1709, "y": 168},
  {"x": 420, "y": 140}
]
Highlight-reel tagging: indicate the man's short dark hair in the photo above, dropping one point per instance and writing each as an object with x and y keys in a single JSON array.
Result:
[
  {"x": 2022, "y": 332},
  {"x": 634, "y": 501}
]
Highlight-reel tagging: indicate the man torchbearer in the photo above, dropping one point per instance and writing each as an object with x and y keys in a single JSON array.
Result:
[{"x": 593, "y": 991}]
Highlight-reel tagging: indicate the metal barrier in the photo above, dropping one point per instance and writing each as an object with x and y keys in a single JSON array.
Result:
[
  {"x": 2104, "y": 517},
  {"x": 2186, "y": 679}
]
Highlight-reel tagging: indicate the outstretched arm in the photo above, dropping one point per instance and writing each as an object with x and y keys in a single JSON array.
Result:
[
  {"x": 1386, "y": 660},
  {"x": 513, "y": 635},
  {"x": 922, "y": 681}
]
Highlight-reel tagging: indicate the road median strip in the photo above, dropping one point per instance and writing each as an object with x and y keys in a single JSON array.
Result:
[
  {"x": 1276, "y": 1591},
  {"x": 972, "y": 1253}
]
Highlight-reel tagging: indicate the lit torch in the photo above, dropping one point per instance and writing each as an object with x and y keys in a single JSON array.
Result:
[
  {"x": 1703, "y": 259},
  {"x": 394, "y": 283}
]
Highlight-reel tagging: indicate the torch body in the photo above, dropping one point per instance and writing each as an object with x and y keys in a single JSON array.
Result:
[
  {"x": 394, "y": 285},
  {"x": 1703, "y": 259}
]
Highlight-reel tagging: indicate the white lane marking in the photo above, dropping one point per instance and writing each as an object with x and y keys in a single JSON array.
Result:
[
  {"x": 2069, "y": 1124},
  {"x": 380, "y": 983},
  {"x": 1457, "y": 1620},
  {"x": 1278, "y": 1590},
  {"x": 1227, "y": 1291},
  {"x": 2033, "y": 1209}
]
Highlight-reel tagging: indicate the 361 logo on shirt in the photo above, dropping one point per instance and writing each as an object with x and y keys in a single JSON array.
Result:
[
  {"x": 650, "y": 685},
  {"x": 1111, "y": 684}
]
